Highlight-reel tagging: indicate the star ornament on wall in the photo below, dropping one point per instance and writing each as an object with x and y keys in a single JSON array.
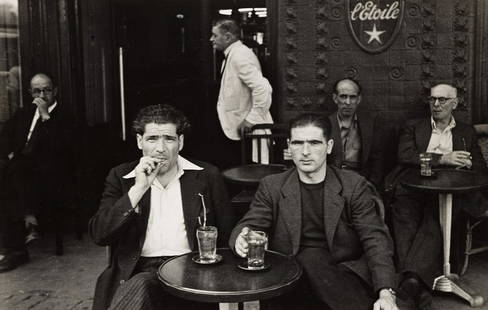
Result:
[{"x": 374, "y": 34}]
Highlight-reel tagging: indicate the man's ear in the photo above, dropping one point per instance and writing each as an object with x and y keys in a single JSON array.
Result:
[
  {"x": 181, "y": 138},
  {"x": 456, "y": 101},
  {"x": 330, "y": 145},
  {"x": 55, "y": 91},
  {"x": 359, "y": 99},
  {"x": 334, "y": 98},
  {"x": 139, "y": 141}
]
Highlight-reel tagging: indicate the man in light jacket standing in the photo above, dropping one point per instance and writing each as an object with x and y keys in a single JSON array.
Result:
[{"x": 245, "y": 95}]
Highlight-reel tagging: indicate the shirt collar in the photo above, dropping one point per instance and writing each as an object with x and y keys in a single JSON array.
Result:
[
  {"x": 341, "y": 122},
  {"x": 182, "y": 163},
  {"x": 227, "y": 50},
  {"x": 452, "y": 123}
]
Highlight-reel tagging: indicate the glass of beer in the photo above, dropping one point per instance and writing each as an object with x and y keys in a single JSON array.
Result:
[
  {"x": 207, "y": 243},
  {"x": 425, "y": 164},
  {"x": 257, "y": 243}
]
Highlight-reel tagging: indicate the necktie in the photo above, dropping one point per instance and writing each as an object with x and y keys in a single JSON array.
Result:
[{"x": 222, "y": 68}]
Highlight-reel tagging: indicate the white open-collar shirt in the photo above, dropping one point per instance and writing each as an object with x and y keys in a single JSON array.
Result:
[
  {"x": 166, "y": 233},
  {"x": 441, "y": 140}
]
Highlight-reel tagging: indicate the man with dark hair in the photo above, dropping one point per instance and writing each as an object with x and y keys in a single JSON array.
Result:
[
  {"x": 36, "y": 168},
  {"x": 149, "y": 211},
  {"x": 329, "y": 219},
  {"x": 453, "y": 145},
  {"x": 356, "y": 133},
  {"x": 245, "y": 95}
]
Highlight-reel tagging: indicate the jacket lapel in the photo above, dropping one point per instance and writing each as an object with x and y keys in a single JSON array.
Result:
[
  {"x": 336, "y": 155},
  {"x": 423, "y": 133},
  {"x": 365, "y": 122},
  {"x": 290, "y": 209},
  {"x": 457, "y": 140},
  {"x": 143, "y": 218},
  {"x": 333, "y": 204},
  {"x": 192, "y": 204}
]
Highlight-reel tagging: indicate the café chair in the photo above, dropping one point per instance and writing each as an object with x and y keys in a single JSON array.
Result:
[
  {"x": 275, "y": 136},
  {"x": 473, "y": 222}
]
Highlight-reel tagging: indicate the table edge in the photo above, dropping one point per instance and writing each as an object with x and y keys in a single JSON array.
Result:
[{"x": 229, "y": 296}]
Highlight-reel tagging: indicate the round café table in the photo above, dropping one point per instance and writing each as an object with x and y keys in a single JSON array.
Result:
[
  {"x": 224, "y": 282},
  {"x": 251, "y": 174},
  {"x": 445, "y": 183}
]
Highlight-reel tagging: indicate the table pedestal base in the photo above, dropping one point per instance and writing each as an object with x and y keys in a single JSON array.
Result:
[
  {"x": 444, "y": 284},
  {"x": 247, "y": 305}
]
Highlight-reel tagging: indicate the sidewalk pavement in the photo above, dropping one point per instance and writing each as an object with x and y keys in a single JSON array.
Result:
[{"x": 50, "y": 282}]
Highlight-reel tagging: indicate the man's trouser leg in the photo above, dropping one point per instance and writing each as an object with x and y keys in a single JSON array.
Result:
[
  {"x": 334, "y": 285},
  {"x": 417, "y": 234}
]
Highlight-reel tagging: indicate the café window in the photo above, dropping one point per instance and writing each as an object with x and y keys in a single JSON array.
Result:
[{"x": 10, "y": 81}]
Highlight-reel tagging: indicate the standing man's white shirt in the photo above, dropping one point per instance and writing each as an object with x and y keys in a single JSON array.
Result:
[
  {"x": 244, "y": 93},
  {"x": 166, "y": 233}
]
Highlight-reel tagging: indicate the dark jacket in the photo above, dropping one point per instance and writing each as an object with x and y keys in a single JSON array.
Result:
[
  {"x": 372, "y": 161},
  {"x": 414, "y": 139},
  {"x": 52, "y": 144},
  {"x": 117, "y": 225},
  {"x": 356, "y": 234}
]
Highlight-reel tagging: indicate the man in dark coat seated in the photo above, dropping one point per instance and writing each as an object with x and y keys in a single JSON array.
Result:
[
  {"x": 36, "y": 168},
  {"x": 358, "y": 140},
  {"x": 416, "y": 228},
  {"x": 149, "y": 211},
  {"x": 329, "y": 219}
]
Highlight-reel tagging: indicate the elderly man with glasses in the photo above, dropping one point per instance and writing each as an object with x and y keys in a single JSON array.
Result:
[{"x": 417, "y": 234}]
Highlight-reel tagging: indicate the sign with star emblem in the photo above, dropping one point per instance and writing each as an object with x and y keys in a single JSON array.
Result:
[{"x": 375, "y": 24}]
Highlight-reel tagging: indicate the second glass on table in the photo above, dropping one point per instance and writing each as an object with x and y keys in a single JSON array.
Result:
[{"x": 257, "y": 242}]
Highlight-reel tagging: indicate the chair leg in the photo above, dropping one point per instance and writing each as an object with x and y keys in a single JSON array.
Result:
[{"x": 469, "y": 244}]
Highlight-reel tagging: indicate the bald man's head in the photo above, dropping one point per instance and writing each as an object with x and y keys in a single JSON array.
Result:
[{"x": 42, "y": 86}]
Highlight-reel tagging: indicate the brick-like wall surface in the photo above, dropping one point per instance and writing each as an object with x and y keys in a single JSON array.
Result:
[{"x": 435, "y": 44}]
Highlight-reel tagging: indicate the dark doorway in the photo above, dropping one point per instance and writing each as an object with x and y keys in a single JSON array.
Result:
[{"x": 167, "y": 58}]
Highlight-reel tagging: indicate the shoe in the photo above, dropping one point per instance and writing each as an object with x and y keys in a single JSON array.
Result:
[
  {"x": 13, "y": 260},
  {"x": 32, "y": 233},
  {"x": 416, "y": 290}
]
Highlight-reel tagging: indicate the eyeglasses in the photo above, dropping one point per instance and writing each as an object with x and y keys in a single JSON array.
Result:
[
  {"x": 441, "y": 100},
  {"x": 38, "y": 91}
]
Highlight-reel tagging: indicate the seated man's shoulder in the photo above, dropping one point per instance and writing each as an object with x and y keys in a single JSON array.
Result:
[
  {"x": 124, "y": 168},
  {"x": 278, "y": 179},
  {"x": 207, "y": 167},
  {"x": 349, "y": 179}
]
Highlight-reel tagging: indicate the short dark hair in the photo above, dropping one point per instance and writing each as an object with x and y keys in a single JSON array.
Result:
[
  {"x": 334, "y": 87},
  {"x": 316, "y": 120},
  {"x": 160, "y": 114},
  {"x": 228, "y": 25}
]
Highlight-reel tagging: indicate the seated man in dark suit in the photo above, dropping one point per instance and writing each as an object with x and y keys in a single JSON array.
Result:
[
  {"x": 417, "y": 233},
  {"x": 356, "y": 134},
  {"x": 149, "y": 211},
  {"x": 329, "y": 219},
  {"x": 36, "y": 159}
]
